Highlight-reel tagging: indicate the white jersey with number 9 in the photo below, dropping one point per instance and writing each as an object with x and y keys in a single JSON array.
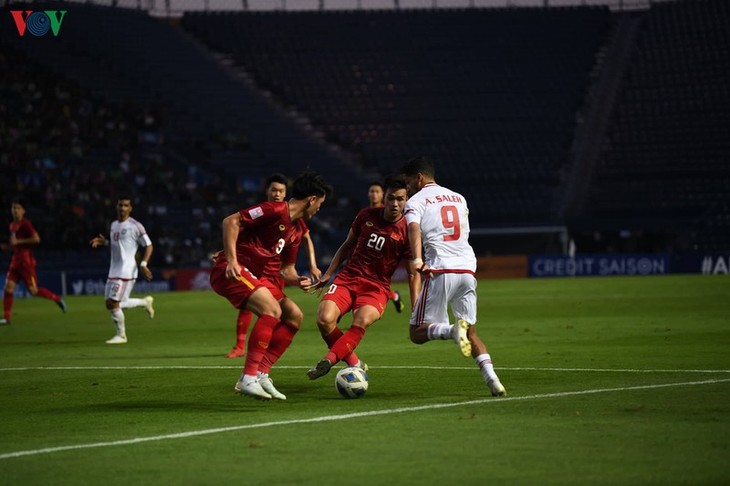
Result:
[{"x": 444, "y": 218}]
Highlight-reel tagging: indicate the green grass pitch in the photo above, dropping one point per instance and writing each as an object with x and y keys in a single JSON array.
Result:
[{"x": 610, "y": 381}]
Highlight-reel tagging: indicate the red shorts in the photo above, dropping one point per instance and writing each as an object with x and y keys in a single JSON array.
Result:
[
  {"x": 22, "y": 273},
  {"x": 352, "y": 293},
  {"x": 239, "y": 291}
]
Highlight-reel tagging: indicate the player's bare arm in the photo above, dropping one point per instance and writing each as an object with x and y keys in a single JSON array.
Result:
[
  {"x": 143, "y": 264},
  {"x": 98, "y": 241},
  {"x": 342, "y": 253},
  {"x": 32, "y": 240},
  {"x": 231, "y": 226},
  {"x": 414, "y": 238},
  {"x": 414, "y": 282},
  {"x": 313, "y": 269},
  {"x": 291, "y": 277}
]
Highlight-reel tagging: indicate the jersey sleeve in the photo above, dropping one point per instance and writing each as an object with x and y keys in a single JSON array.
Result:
[
  {"x": 29, "y": 228},
  {"x": 413, "y": 211},
  {"x": 289, "y": 254},
  {"x": 261, "y": 214},
  {"x": 303, "y": 228},
  {"x": 356, "y": 226},
  {"x": 142, "y": 238}
]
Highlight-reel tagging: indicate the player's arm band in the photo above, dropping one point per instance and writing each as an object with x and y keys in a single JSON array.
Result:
[
  {"x": 143, "y": 263},
  {"x": 418, "y": 262}
]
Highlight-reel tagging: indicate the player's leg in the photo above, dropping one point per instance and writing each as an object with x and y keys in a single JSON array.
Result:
[
  {"x": 430, "y": 318},
  {"x": 463, "y": 302},
  {"x": 30, "y": 279},
  {"x": 395, "y": 297},
  {"x": 282, "y": 337},
  {"x": 242, "y": 322},
  {"x": 115, "y": 292},
  {"x": 248, "y": 292},
  {"x": 8, "y": 296},
  {"x": 363, "y": 317},
  {"x": 146, "y": 302},
  {"x": 337, "y": 302},
  {"x": 268, "y": 310},
  {"x": 284, "y": 332}
]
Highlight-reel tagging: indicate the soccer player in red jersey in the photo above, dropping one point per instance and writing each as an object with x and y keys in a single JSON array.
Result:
[
  {"x": 275, "y": 192},
  {"x": 375, "y": 245},
  {"x": 22, "y": 264},
  {"x": 376, "y": 195},
  {"x": 252, "y": 238}
]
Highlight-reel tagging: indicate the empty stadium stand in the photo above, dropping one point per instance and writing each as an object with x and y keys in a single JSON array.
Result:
[
  {"x": 666, "y": 159},
  {"x": 207, "y": 105},
  {"x": 490, "y": 95}
]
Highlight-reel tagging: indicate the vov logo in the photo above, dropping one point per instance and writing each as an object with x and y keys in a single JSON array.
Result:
[{"x": 38, "y": 23}]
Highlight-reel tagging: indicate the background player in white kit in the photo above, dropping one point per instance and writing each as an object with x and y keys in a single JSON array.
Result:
[
  {"x": 438, "y": 231},
  {"x": 126, "y": 236}
]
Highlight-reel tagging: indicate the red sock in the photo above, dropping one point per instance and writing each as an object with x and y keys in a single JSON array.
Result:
[
  {"x": 351, "y": 359},
  {"x": 259, "y": 342},
  {"x": 346, "y": 344},
  {"x": 280, "y": 341},
  {"x": 47, "y": 294},
  {"x": 244, "y": 320},
  {"x": 393, "y": 295},
  {"x": 8, "y": 304}
]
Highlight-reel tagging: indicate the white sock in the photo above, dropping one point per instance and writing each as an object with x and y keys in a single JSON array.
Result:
[
  {"x": 126, "y": 304},
  {"x": 118, "y": 319},
  {"x": 439, "y": 331},
  {"x": 484, "y": 361}
]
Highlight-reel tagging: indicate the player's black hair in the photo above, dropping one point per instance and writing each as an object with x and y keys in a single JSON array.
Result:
[
  {"x": 394, "y": 183},
  {"x": 19, "y": 201},
  {"x": 420, "y": 164},
  {"x": 377, "y": 183},
  {"x": 277, "y": 177},
  {"x": 125, "y": 197},
  {"x": 310, "y": 183}
]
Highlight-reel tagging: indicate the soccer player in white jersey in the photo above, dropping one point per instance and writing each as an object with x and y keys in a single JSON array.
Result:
[
  {"x": 126, "y": 236},
  {"x": 438, "y": 232}
]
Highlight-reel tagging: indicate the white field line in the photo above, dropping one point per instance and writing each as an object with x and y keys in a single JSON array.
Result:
[
  {"x": 332, "y": 418},
  {"x": 411, "y": 367}
]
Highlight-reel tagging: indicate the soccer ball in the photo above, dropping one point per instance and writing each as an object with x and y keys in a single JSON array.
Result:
[{"x": 351, "y": 382}]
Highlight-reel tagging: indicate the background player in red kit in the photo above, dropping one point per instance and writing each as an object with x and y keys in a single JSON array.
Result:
[
  {"x": 376, "y": 197},
  {"x": 23, "y": 237},
  {"x": 275, "y": 192},
  {"x": 375, "y": 245},
  {"x": 252, "y": 238}
]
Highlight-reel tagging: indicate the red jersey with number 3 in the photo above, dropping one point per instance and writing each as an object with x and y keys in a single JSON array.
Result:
[
  {"x": 22, "y": 254},
  {"x": 288, "y": 255},
  {"x": 379, "y": 247},
  {"x": 267, "y": 237}
]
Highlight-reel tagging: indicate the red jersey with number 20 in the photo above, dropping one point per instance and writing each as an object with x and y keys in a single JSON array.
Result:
[
  {"x": 379, "y": 247},
  {"x": 267, "y": 235}
]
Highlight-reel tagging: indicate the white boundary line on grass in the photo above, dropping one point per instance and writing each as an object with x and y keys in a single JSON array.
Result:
[
  {"x": 229, "y": 367},
  {"x": 331, "y": 418}
]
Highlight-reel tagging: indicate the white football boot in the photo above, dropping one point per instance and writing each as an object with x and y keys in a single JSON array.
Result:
[
  {"x": 268, "y": 385},
  {"x": 252, "y": 389},
  {"x": 117, "y": 340},
  {"x": 496, "y": 388},
  {"x": 458, "y": 333},
  {"x": 148, "y": 306}
]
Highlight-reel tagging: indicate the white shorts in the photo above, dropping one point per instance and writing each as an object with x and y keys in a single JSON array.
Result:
[
  {"x": 118, "y": 289},
  {"x": 457, "y": 290}
]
